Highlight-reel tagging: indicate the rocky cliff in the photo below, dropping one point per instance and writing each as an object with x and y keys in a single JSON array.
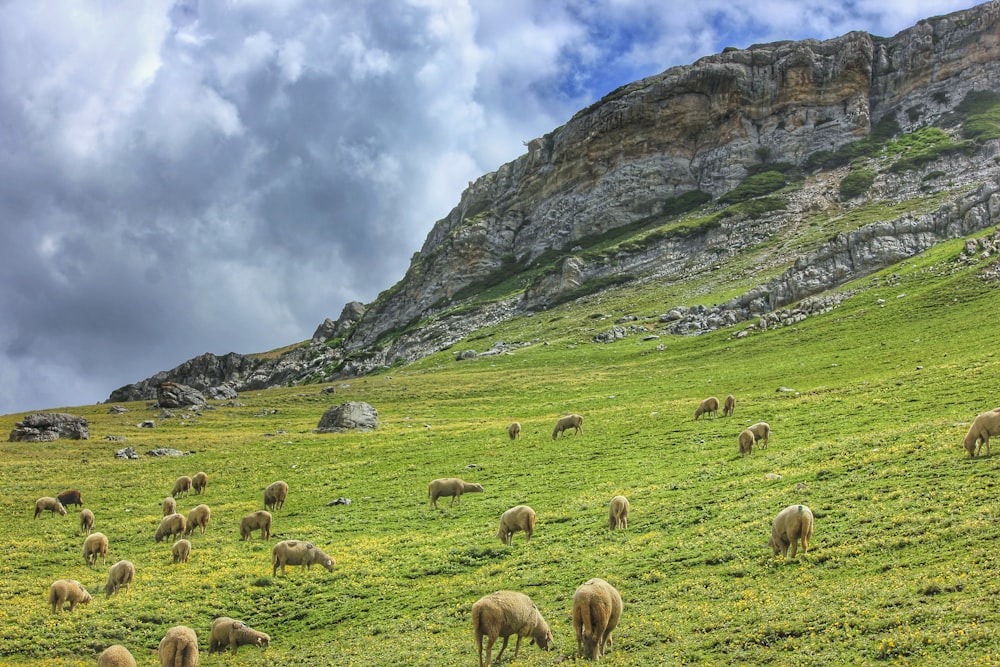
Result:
[{"x": 691, "y": 133}]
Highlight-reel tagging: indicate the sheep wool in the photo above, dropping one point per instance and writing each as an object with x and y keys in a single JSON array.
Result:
[
  {"x": 198, "y": 517},
  {"x": 729, "y": 407},
  {"x": 618, "y": 513},
  {"x": 172, "y": 525},
  {"x": 761, "y": 433},
  {"x": 746, "y": 440},
  {"x": 984, "y": 425},
  {"x": 566, "y": 423},
  {"x": 67, "y": 590},
  {"x": 708, "y": 406},
  {"x": 519, "y": 518},
  {"x": 229, "y": 633},
  {"x": 181, "y": 485},
  {"x": 296, "y": 552},
  {"x": 179, "y": 648},
  {"x": 597, "y": 608},
  {"x": 96, "y": 544},
  {"x": 169, "y": 506},
  {"x": 793, "y": 524},
  {"x": 274, "y": 495},
  {"x": 261, "y": 519},
  {"x": 199, "y": 483},
  {"x": 506, "y": 613},
  {"x": 47, "y": 504},
  {"x": 450, "y": 486},
  {"x": 514, "y": 431},
  {"x": 120, "y": 576},
  {"x": 181, "y": 551},
  {"x": 86, "y": 521},
  {"x": 116, "y": 655}
]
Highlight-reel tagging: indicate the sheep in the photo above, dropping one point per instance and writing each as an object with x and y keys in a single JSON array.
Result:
[
  {"x": 761, "y": 431},
  {"x": 746, "y": 440},
  {"x": 181, "y": 551},
  {"x": 251, "y": 522},
  {"x": 516, "y": 518},
  {"x": 70, "y": 497},
  {"x": 274, "y": 495},
  {"x": 566, "y": 423},
  {"x": 514, "y": 431},
  {"x": 95, "y": 545},
  {"x": 709, "y": 406},
  {"x": 199, "y": 482},
  {"x": 181, "y": 485},
  {"x": 506, "y": 613},
  {"x": 120, "y": 576},
  {"x": 618, "y": 513},
  {"x": 198, "y": 517},
  {"x": 295, "y": 552},
  {"x": 597, "y": 608},
  {"x": 169, "y": 506},
  {"x": 116, "y": 655},
  {"x": 172, "y": 525},
  {"x": 729, "y": 407},
  {"x": 67, "y": 590},
  {"x": 793, "y": 523},
  {"x": 86, "y": 521},
  {"x": 178, "y": 648},
  {"x": 50, "y": 504},
  {"x": 450, "y": 486},
  {"x": 228, "y": 632},
  {"x": 984, "y": 425}
]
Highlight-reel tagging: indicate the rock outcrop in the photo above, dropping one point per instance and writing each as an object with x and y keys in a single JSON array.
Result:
[
  {"x": 349, "y": 415},
  {"x": 48, "y": 426}
]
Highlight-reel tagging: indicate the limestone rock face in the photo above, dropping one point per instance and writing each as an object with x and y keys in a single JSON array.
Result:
[{"x": 48, "y": 426}]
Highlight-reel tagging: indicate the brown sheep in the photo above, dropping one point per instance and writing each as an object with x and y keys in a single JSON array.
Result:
[
  {"x": 450, "y": 486},
  {"x": 729, "y": 407},
  {"x": 120, "y": 576},
  {"x": 116, "y": 655},
  {"x": 172, "y": 525},
  {"x": 566, "y": 423},
  {"x": 792, "y": 524},
  {"x": 230, "y": 633},
  {"x": 67, "y": 590},
  {"x": 295, "y": 552},
  {"x": 746, "y": 440},
  {"x": 517, "y": 518},
  {"x": 274, "y": 495},
  {"x": 618, "y": 513},
  {"x": 86, "y": 521},
  {"x": 260, "y": 519},
  {"x": 181, "y": 551},
  {"x": 181, "y": 485},
  {"x": 198, "y": 517},
  {"x": 199, "y": 483},
  {"x": 169, "y": 506},
  {"x": 709, "y": 406},
  {"x": 984, "y": 425},
  {"x": 506, "y": 613},
  {"x": 70, "y": 497},
  {"x": 761, "y": 432},
  {"x": 50, "y": 504},
  {"x": 179, "y": 648},
  {"x": 95, "y": 545},
  {"x": 514, "y": 431},
  {"x": 597, "y": 608}
]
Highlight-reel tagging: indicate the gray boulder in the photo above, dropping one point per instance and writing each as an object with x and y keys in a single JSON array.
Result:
[
  {"x": 349, "y": 415},
  {"x": 47, "y": 426},
  {"x": 174, "y": 395}
]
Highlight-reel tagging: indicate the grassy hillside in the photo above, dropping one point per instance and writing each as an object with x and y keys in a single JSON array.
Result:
[{"x": 901, "y": 569}]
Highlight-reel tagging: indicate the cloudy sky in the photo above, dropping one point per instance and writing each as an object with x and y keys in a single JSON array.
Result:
[{"x": 187, "y": 177}]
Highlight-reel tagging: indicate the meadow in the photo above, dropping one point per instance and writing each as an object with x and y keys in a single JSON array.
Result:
[{"x": 868, "y": 405}]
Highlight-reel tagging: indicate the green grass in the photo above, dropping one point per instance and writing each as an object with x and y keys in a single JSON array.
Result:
[{"x": 901, "y": 569}]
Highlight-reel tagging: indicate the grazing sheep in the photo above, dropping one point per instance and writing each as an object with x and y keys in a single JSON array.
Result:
[
  {"x": 181, "y": 485},
  {"x": 199, "y": 482},
  {"x": 86, "y": 521},
  {"x": 116, "y": 655},
  {"x": 729, "y": 407},
  {"x": 793, "y": 523},
  {"x": 984, "y": 425},
  {"x": 274, "y": 495},
  {"x": 761, "y": 431},
  {"x": 70, "y": 497},
  {"x": 251, "y": 522},
  {"x": 514, "y": 431},
  {"x": 450, "y": 486},
  {"x": 169, "y": 506},
  {"x": 67, "y": 590},
  {"x": 181, "y": 551},
  {"x": 516, "y": 518},
  {"x": 709, "y": 406},
  {"x": 172, "y": 525},
  {"x": 295, "y": 552},
  {"x": 95, "y": 545},
  {"x": 179, "y": 648},
  {"x": 199, "y": 516},
  {"x": 228, "y": 632},
  {"x": 50, "y": 504},
  {"x": 566, "y": 423},
  {"x": 597, "y": 608},
  {"x": 120, "y": 576},
  {"x": 507, "y": 613},
  {"x": 618, "y": 513},
  {"x": 747, "y": 439}
]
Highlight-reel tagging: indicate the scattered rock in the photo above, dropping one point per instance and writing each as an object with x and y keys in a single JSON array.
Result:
[
  {"x": 349, "y": 415},
  {"x": 339, "y": 501},
  {"x": 48, "y": 426},
  {"x": 466, "y": 354},
  {"x": 149, "y": 423},
  {"x": 174, "y": 395},
  {"x": 117, "y": 409},
  {"x": 165, "y": 451},
  {"x": 126, "y": 453}
]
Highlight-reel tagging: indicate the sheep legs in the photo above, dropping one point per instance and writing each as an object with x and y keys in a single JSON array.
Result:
[{"x": 489, "y": 649}]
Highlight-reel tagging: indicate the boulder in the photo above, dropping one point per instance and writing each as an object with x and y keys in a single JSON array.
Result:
[
  {"x": 174, "y": 395},
  {"x": 349, "y": 415},
  {"x": 47, "y": 426}
]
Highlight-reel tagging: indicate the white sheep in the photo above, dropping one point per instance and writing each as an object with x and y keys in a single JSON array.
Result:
[
  {"x": 618, "y": 513},
  {"x": 506, "y": 613},
  {"x": 260, "y": 519},
  {"x": 178, "y": 648},
  {"x": 516, "y": 518},
  {"x": 67, "y": 590},
  {"x": 597, "y": 608},
  {"x": 761, "y": 432},
  {"x": 181, "y": 551},
  {"x": 566, "y": 423},
  {"x": 792, "y": 524},
  {"x": 86, "y": 521},
  {"x": 984, "y": 425},
  {"x": 116, "y": 655},
  {"x": 199, "y": 482},
  {"x": 450, "y": 486},
  {"x": 729, "y": 407},
  {"x": 229, "y": 633},
  {"x": 120, "y": 576},
  {"x": 181, "y": 485},
  {"x": 172, "y": 526},
  {"x": 95, "y": 545},
  {"x": 296, "y": 552},
  {"x": 746, "y": 440},
  {"x": 708, "y": 406},
  {"x": 514, "y": 431},
  {"x": 48, "y": 504},
  {"x": 274, "y": 495},
  {"x": 198, "y": 517},
  {"x": 169, "y": 506}
]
